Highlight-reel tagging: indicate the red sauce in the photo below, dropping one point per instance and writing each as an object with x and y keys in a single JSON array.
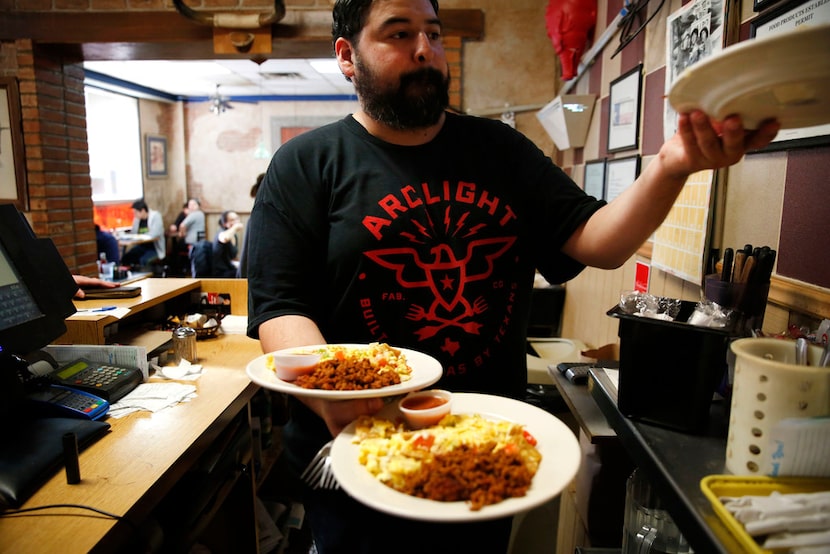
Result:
[{"x": 423, "y": 402}]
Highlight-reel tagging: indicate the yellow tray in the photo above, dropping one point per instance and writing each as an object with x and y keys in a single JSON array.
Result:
[{"x": 717, "y": 486}]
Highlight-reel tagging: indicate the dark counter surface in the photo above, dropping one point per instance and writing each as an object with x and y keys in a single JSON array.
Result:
[{"x": 675, "y": 463}]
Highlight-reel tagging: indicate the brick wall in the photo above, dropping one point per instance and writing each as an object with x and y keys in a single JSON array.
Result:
[
  {"x": 452, "y": 48},
  {"x": 55, "y": 149}
]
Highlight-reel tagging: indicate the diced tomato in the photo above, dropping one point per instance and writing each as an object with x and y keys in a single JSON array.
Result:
[
  {"x": 511, "y": 448},
  {"x": 340, "y": 355},
  {"x": 424, "y": 441},
  {"x": 529, "y": 438}
]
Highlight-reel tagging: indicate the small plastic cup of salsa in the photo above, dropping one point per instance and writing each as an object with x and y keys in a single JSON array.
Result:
[
  {"x": 424, "y": 408},
  {"x": 289, "y": 366}
]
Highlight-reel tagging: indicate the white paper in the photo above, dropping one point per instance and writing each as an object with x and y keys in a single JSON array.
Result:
[
  {"x": 116, "y": 312},
  {"x": 234, "y": 325},
  {"x": 801, "y": 447},
  {"x": 152, "y": 397},
  {"x": 117, "y": 355}
]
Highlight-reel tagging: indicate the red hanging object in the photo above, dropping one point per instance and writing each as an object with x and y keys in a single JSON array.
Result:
[{"x": 570, "y": 24}]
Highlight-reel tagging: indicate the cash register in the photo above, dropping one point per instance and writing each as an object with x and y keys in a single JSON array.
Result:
[{"x": 36, "y": 291}]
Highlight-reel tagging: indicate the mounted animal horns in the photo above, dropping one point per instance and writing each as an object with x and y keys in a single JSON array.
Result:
[{"x": 229, "y": 20}]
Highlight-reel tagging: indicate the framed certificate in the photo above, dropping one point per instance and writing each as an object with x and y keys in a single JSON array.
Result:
[
  {"x": 624, "y": 116},
  {"x": 788, "y": 16},
  {"x": 594, "y": 181},
  {"x": 620, "y": 173}
]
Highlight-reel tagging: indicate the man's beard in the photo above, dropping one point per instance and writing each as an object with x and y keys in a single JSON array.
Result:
[{"x": 418, "y": 102}]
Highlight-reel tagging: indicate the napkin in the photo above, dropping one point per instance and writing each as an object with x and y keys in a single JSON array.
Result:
[
  {"x": 152, "y": 397},
  {"x": 185, "y": 371}
]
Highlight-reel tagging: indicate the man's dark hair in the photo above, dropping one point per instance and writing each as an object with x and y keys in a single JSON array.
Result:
[
  {"x": 349, "y": 17},
  {"x": 140, "y": 205},
  {"x": 257, "y": 183}
]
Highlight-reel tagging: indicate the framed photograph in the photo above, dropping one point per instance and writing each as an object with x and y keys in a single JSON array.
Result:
[
  {"x": 156, "y": 152},
  {"x": 594, "y": 182},
  {"x": 787, "y": 17},
  {"x": 624, "y": 107},
  {"x": 12, "y": 160},
  {"x": 694, "y": 33},
  {"x": 620, "y": 173}
]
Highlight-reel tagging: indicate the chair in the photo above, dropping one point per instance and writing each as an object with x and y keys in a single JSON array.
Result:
[{"x": 201, "y": 259}]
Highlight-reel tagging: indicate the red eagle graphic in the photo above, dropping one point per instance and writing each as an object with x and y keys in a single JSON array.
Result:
[{"x": 446, "y": 276}]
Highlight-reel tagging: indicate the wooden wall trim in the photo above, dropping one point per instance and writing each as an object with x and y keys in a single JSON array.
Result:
[
  {"x": 800, "y": 297},
  {"x": 125, "y": 27}
]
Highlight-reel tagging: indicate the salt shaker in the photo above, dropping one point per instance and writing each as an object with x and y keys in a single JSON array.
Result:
[{"x": 184, "y": 345}]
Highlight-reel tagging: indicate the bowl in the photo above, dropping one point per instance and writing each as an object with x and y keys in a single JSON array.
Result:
[
  {"x": 206, "y": 324},
  {"x": 289, "y": 366},
  {"x": 424, "y": 408}
]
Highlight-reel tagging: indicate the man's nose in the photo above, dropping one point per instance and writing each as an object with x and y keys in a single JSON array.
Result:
[{"x": 424, "y": 49}]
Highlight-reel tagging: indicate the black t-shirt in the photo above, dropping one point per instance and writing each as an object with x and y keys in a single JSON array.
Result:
[{"x": 430, "y": 247}]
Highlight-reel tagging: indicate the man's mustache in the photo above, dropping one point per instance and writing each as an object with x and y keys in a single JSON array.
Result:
[{"x": 427, "y": 75}]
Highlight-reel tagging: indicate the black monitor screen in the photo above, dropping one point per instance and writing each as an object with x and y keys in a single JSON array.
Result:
[
  {"x": 36, "y": 287},
  {"x": 16, "y": 303}
]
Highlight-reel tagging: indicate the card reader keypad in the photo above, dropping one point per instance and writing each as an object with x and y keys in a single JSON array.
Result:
[
  {"x": 80, "y": 402},
  {"x": 99, "y": 376}
]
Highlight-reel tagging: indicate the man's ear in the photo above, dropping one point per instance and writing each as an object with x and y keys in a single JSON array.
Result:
[{"x": 345, "y": 54}]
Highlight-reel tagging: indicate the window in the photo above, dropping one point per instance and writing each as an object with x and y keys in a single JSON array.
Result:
[{"x": 114, "y": 145}]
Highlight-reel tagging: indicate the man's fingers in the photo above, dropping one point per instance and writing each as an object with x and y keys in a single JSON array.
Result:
[
  {"x": 708, "y": 142},
  {"x": 732, "y": 140},
  {"x": 763, "y": 136}
]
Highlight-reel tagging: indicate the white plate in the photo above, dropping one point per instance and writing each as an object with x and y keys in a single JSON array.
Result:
[
  {"x": 785, "y": 76},
  {"x": 426, "y": 370},
  {"x": 556, "y": 443}
]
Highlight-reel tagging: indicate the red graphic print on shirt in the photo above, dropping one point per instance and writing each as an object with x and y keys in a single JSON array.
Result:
[
  {"x": 446, "y": 276},
  {"x": 443, "y": 274}
]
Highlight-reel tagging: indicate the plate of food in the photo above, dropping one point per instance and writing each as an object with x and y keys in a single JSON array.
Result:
[
  {"x": 529, "y": 456},
  {"x": 763, "y": 78},
  {"x": 347, "y": 371}
]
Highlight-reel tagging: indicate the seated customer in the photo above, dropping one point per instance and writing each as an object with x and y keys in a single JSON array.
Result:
[
  {"x": 177, "y": 248},
  {"x": 192, "y": 227},
  {"x": 242, "y": 270},
  {"x": 226, "y": 245},
  {"x": 174, "y": 227},
  {"x": 146, "y": 222},
  {"x": 107, "y": 245}
]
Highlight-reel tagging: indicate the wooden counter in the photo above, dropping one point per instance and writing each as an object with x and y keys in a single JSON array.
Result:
[
  {"x": 130, "y": 470},
  {"x": 92, "y": 328}
]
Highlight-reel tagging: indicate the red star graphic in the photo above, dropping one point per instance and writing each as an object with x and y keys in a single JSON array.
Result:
[{"x": 447, "y": 282}]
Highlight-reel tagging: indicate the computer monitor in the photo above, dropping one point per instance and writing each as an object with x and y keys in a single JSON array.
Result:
[
  {"x": 36, "y": 287},
  {"x": 36, "y": 292},
  {"x": 17, "y": 306}
]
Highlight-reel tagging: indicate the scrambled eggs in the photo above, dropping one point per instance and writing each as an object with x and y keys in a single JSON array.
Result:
[{"x": 391, "y": 453}]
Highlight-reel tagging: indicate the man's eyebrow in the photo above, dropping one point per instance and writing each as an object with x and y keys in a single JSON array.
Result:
[{"x": 397, "y": 20}]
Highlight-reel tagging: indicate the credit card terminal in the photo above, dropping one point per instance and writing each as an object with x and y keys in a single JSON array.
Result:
[
  {"x": 60, "y": 401},
  {"x": 105, "y": 380}
]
